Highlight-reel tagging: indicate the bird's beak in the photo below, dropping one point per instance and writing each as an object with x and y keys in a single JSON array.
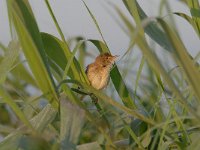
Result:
[{"x": 115, "y": 57}]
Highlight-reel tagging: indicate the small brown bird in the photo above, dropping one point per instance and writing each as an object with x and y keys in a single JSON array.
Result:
[{"x": 98, "y": 72}]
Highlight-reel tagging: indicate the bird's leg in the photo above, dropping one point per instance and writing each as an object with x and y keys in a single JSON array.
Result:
[{"x": 94, "y": 98}]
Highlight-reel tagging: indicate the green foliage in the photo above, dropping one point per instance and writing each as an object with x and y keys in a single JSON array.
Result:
[
  {"x": 8, "y": 60},
  {"x": 153, "y": 107}
]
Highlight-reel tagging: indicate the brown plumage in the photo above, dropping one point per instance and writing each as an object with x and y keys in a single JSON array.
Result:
[{"x": 98, "y": 72}]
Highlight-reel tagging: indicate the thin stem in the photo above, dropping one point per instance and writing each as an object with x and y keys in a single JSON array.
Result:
[{"x": 56, "y": 23}]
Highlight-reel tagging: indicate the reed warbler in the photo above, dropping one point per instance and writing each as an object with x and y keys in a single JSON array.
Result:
[{"x": 98, "y": 72}]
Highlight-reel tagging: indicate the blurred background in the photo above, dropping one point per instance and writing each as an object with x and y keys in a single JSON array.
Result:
[
  {"x": 163, "y": 90},
  {"x": 75, "y": 21}
]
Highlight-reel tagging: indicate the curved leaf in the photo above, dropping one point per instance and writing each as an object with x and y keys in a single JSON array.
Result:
[
  {"x": 60, "y": 54},
  {"x": 32, "y": 46},
  {"x": 151, "y": 29},
  {"x": 189, "y": 19}
]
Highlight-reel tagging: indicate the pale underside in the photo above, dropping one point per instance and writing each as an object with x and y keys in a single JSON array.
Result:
[{"x": 97, "y": 77}]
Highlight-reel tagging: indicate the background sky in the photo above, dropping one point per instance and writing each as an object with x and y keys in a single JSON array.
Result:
[{"x": 75, "y": 20}]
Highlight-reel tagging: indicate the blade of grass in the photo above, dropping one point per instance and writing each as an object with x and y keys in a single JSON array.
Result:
[
  {"x": 65, "y": 44},
  {"x": 139, "y": 74},
  {"x": 96, "y": 23},
  {"x": 11, "y": 142},
  {"x": 159, "y": 69},
  {"x": 116, "y": 18},
  {"x": 129, "y": 25},
  {"x": 194, "y": 10},
  {"x": 132, "y": 5},
  {"x": 153, "y": 61},
  {"x": 6, "y": 129},
  {"x": 92, "y": 96},
  {"x": 191, "y": 71},
  {"x": 21, "y": 73},
  {"x": 60, "y": 54},
  {"x": 72, "y": 120},
  {"x": 152, "y": 29},
  {"x": 157, "y": 66},
  {"x": 8, "y": 100},
  {"x": 44, "y": 118},
  {"x": 56, "y": 23},
  {"x": 66, "y": 49},
  {"x": 190, "y": 20},
  {"x": 32, "y": 46},
  {"x": 133, "y": 135},
  {"x": 9, "y": 59},
  {"x": 40, "y": 122},
  {"x": 72, "y": 58},
  {"x": 118, "y": 105},
  {"x": 89, "y": 116},
  {"x": 89, "y": 146}
]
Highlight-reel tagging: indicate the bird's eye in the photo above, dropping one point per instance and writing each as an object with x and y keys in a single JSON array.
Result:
[{"x": 104, "y": 66}]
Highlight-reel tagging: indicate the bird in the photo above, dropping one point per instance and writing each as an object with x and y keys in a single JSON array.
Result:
[{"x": 98, "y": 72}]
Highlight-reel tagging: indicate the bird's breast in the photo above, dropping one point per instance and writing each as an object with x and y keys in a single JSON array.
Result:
[{"x": 99, "y": 78}]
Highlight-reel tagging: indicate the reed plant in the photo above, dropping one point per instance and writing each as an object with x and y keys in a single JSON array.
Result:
[{"x": 152, "y": 101}]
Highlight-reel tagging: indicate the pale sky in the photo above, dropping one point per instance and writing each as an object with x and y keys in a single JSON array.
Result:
[{"x": 75, "y": 20}]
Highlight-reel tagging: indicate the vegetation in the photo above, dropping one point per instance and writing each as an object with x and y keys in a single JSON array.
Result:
[{"x": 44, "y": 90}]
